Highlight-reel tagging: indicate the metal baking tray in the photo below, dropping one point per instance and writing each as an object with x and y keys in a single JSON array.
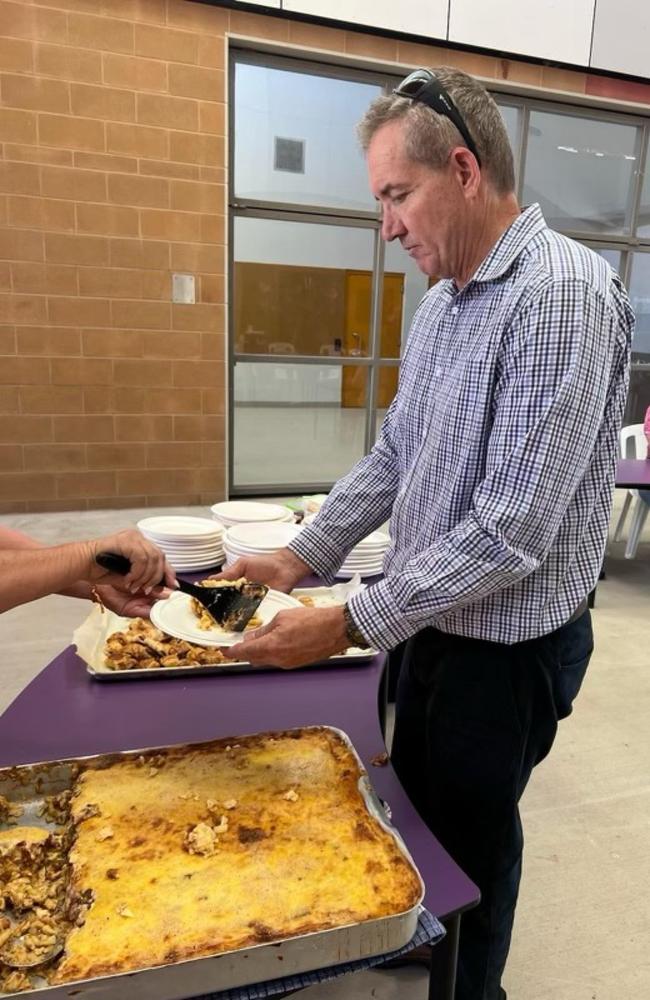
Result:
[
  {"x": 28, "y": 784},
  {"x": 233, "y": 667},
  {"x": 320, "y": 595}
]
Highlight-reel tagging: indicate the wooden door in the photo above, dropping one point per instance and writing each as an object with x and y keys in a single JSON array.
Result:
[{"x": 358, "y": 290}]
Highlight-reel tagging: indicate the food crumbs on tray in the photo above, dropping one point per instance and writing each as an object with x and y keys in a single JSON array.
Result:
[
  {"x": 291, "y": 795},
  {"x": 124, "y": 911},
  {"x": 230, "y": 804},
  {"x": 222, "y": 825},
  {"x": 104, "y": 834},
  {"x": 379, "y": 760},
  {"x": 88, "y": 812},
  {"x": 144, "y": 647},
  {"x": 9, "y": 810},
  {"x": 201, "y": 839}
]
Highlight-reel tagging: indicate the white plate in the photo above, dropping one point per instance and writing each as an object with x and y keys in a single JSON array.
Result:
[
  {"x": 175, "y": 617},
  {"x": 349, "y": 571},
  {"x": 191, "y": 549},
  {"x": 368, "y": 553},
  {"x": 242, "y": 550},
  {"x": 183, "y": 543},
  {"x": 363, "y": 570},
  {"x": 177, "y": 529},
  {"x": 376, "y": 538},
  {"x": 207, "y": 560},
  {"x": 243, "y": 511},
  {"x": 365, "y": 560},
  {"x": 262, "y": 537},
  {"x": 227, "y": 523},
  {"x": 182, "y": 566}
]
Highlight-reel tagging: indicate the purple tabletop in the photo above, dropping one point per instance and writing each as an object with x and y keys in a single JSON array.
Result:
[
  {"x": 64, "y": 713},
  {"x": 633, "y": 473}
]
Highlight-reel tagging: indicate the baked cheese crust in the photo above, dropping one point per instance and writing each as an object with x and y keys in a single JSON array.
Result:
[{"x": 197, "y": 851}]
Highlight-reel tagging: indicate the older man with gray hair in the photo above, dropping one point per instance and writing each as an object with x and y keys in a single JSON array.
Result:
[{"x": 495, "y": 464}]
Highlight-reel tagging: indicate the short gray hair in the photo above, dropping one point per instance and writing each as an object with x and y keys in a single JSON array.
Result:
[{"x": 430, "y": 137}]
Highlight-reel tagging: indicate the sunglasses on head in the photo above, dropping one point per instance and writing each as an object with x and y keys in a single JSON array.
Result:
[{"x": 421, "y": 85}]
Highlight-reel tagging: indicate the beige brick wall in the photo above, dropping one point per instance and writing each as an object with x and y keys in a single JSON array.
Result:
[{"x": 112, "y": 125}]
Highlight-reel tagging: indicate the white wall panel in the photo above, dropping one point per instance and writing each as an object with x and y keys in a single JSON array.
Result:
[
  {"x": 550, "y": 29},
  {"x": 418, "y": 17},
  {"x": 621, "y": 36}
]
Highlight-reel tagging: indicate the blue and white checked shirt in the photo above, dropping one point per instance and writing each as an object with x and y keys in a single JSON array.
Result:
[{"x": 497, "y": 457}]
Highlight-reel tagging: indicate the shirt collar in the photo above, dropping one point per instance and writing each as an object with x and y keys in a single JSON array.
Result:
[{"x": 510, "y": 244}]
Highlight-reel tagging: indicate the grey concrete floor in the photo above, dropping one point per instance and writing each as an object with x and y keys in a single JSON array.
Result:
[{"x": 582, "y": 924}]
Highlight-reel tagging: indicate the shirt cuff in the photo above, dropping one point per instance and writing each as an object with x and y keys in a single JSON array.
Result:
[
  {"x": 379, "y": 618},
  {"x": 315, "y": 547}
]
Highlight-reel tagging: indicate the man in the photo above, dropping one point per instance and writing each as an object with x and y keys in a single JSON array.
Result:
[
  {"x": 29, "y": 570},
  {"x": 496, "y": 466}
]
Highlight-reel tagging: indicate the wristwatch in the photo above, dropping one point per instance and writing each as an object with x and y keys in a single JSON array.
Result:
[{"x": 356, "y": 637}]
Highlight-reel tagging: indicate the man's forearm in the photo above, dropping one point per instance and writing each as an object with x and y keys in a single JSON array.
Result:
[
  {"x": 15, "y": 541},
  {"x": 29, "y": 572}
]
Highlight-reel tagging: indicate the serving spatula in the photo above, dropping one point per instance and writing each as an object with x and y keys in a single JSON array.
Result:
[
  {"x": 24, "y": 960},
  {"x": 231, "y": 605}
]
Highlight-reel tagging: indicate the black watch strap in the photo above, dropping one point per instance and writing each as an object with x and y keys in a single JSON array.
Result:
[{"x": 356, "y": 637}]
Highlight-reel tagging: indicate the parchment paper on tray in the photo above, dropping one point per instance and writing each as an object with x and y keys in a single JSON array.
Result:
[
  {"x": 326, "y": 597},
  {"x": 90, "y": 637}
]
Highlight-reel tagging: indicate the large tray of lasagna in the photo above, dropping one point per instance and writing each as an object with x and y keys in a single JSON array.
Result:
[
  {"x": 121, "y": 649},
  {"x": 176, "y": 871}
]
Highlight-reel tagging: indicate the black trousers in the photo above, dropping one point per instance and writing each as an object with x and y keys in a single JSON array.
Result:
[{"x": 472, "y": 719}]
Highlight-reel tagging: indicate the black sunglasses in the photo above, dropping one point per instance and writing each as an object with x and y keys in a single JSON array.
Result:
[{"x": 421, "y": 85}]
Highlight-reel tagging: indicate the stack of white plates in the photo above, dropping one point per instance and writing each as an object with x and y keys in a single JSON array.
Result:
[
  {"x": 232, "y": 512},
  {"x": 257, "y": 539},
  {"x": 366, "y": 558},
  {"x": 190, "y": 543}
]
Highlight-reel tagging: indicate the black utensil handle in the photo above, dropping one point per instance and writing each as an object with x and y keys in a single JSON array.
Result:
[{"x": 113, "y": 562}]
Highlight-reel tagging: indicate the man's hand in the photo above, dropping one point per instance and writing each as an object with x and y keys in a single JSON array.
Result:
[
  {"x": 149, "y": 568},
  {"x": 128, "y": 605},
  {"x": 281, "y": 570},
  {"x": 294, "y": 638}
]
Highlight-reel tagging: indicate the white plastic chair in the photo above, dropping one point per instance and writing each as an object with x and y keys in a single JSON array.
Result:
[{"x": 640, "y": 510}]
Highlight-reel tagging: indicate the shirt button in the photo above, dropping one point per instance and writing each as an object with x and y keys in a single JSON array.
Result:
[{"x": 455, "y": 310}]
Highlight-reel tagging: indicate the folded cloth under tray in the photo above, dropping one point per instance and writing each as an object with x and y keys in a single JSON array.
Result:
[{"x": 429, "y": 931}]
